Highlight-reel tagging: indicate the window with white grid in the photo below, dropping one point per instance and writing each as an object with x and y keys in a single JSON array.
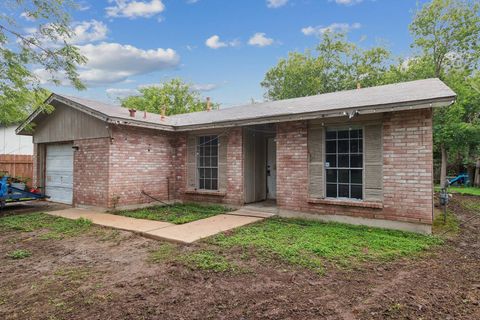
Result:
[
  {"x": 207, "y": 162},
  {"x": 344, "y": 163}
]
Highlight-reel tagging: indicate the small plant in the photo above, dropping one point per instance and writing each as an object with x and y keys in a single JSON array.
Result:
[
  {"x": 207, "y": 260},
  {"x": 19, "y": 254}
]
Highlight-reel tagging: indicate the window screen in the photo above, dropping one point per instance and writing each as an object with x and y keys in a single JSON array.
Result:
[
  {"x": 207, "y": 162},
  {"x": 344, "y": 163}
]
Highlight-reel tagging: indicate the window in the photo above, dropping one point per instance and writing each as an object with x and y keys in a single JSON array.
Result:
[
  {"x": 344, "y": 163},
  {"x": 207, "y": 162}
]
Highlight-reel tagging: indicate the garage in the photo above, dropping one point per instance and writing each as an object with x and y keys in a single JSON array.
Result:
[{"x": 59, "y": 172}]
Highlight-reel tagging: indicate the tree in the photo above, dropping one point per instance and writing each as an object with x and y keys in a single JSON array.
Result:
[
  {"x": 447, "y": 34},
  {"x": 337, "y": 65},
  {"x": 175, "y": 95},
  {"x": 16, "y": 107},
  {"x": 47, "y": 47}
]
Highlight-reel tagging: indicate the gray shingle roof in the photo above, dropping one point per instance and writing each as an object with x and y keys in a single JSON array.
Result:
[{"x": 387, "y": 96}]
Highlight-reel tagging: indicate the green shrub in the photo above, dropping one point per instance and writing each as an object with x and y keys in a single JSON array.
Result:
[{"x": 19, "y": 254}]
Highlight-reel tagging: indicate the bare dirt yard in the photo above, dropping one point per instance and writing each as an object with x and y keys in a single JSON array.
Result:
[{"x": 55, "y": 269}]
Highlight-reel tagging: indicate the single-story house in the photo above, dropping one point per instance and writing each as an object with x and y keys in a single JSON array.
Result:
[{"x": 361, "y": 156}]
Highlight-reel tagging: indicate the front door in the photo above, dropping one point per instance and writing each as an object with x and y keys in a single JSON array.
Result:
[{"x": 271, "y": 169}]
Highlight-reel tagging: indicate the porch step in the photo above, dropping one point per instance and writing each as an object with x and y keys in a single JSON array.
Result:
[{"x": 251, "y": 211}]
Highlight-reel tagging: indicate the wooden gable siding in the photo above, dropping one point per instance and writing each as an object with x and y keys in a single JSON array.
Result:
[{"x": 68, "y": 124}]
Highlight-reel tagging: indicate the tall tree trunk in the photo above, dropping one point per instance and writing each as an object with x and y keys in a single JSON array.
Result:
[
  {"x": 476, "y": 179},
  {"x": 443, "y": 167}
]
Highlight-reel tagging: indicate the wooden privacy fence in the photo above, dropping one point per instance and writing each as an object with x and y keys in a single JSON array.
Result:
[{"x": 17, "y": 165}]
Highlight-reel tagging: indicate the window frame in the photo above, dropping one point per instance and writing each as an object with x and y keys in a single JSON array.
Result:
[
  {"x": 362, "y": 168},
  {"x": 198, "y": 166}
]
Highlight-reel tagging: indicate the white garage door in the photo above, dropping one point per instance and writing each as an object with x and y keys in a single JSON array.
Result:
[{"x": 59, "y": 173}]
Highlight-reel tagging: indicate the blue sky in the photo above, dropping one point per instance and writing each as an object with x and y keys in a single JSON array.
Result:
[{"x": 223, "y": 47}]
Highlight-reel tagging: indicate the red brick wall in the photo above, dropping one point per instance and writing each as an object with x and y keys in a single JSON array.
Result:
[
  {"x": 408, "y": 170},
  {"x": 90, "y": 172},
  {"x": 408, "y": 166},
  {"x": 140, "y": 159},
  {"x": 114, "y": 172},
  {"x": 292, "y": 165},
  {"x": 234, "y": 194}
]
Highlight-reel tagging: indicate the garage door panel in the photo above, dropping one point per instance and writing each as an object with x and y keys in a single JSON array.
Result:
[
  {"x": 60, "y": 163},
  {"x": 59, "y": 173}
]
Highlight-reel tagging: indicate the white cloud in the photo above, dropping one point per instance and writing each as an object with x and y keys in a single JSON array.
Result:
[
  {"x": 83, "y": 32},
  {"x": 27, "y": 16},
  {"x": 134, "y": 9},
  {"x": 89, "y": 31},
  {"x": 347, "y": 2},
  {"x": 204, "y": 87},
  {"x": 214, "y": 42},
  {"x": 276, "y": 3},
  {"x": 113, "y": 62},
  {"x": 334, "y": 27},
  {"x": 192, "y": 1},
  {"x": 259, "y": 39}
]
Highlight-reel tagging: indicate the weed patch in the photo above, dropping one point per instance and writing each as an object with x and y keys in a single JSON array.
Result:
[
  {"x": 450, "y": 224},
  {"x": 57, "y": 227},
  {"x": 176, "y": 213},
  {"x": 166, "y": 252},
  {"x": 19, "y": 254},
  {"x": 208, "y": 260},
  {"x": 311, "y": 243},
  {"x": 202, "y": 259}
]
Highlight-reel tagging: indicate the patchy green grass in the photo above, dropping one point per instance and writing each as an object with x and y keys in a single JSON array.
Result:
[
  {"x": 177, "y": 213},
  {"x": 462, "y": 190},
  {"x": 19, "y": 254},
  {"x": 57, "y": 227},
  {"x": 207, "y": 260},
  {"x": 165, "y": 252},
  {"x": 449, "y": 224},
  {"x": 199, "y": 259},
  {"x": 311, "y": 243}
]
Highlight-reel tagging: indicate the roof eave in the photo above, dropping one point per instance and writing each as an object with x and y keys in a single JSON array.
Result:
[
  {"x": 32, "y": 117},
  {"x": 138, "y": 123},
  {"x": 409, "y": 105},
  {"x": 91, "y": 112}
]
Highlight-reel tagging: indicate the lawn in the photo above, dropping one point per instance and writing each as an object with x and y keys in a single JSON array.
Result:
[
  {"x": 52, "y": 227},
  {"x": 177, "y": 213},
  {"x": 311, "y": 243},
  {"x": 54, "y": 268},
  {"x": 462, "y": 190}
]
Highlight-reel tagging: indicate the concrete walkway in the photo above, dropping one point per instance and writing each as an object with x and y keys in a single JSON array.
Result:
[{"x": 183, "y": 233}]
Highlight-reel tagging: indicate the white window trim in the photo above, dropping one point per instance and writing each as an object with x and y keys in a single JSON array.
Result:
[
  {"x": 197, "y": 163},
  {"x": 336, "y": 127}
]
